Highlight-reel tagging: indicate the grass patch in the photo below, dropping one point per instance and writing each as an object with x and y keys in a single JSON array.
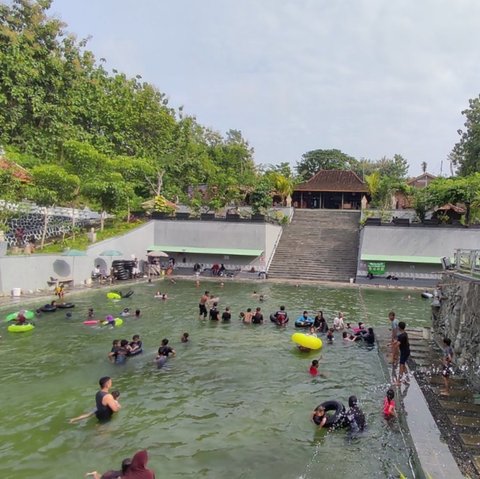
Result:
[{"x": 81, "y": 242}]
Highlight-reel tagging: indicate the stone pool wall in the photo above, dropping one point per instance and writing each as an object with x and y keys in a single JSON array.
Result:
[{"x": 458, "y": 317}]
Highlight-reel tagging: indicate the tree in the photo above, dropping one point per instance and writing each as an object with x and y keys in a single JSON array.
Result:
[
  {"x": 260, "y": 198},
  {"x": 316, "y": 160},
  {"x": 466, "y": 152},
  {"x": 52, "y": 185},
  {"x": 464, "y": 190}
]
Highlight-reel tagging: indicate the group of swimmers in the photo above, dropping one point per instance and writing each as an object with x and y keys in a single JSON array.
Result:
[{"x": 122, "y": 348}]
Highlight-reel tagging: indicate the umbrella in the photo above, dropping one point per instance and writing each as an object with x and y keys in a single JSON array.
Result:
[
  {"x": 73, "y": 253},
  {"x": 157, "y": 254}
]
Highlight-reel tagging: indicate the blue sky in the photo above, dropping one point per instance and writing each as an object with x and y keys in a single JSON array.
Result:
[{"x": 369, "y": 77}]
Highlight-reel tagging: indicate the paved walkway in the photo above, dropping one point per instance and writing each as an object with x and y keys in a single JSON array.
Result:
[{"x": 445, "y": 429}]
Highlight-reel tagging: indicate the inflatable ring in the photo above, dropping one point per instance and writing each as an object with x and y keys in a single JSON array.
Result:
[
  {"x": 127, "y": 295},
  {"x": 338, "y": 417},
  {"x": 136, "y": 352},
  {"x": 48, "y": 308},
  {"x": 20, "y": 328},
  {"x": 427, "y": 295},
  {"x": 90, "y": 322},
  {"x": 307, "y": 341},
  {"x": 114, "y": 296},
  {"x": 13, "y": 316},
  {"x": 65, "y": 305},
  {"x": 118, "y": 322},
  {"x": 274, "y": 319},
  {"x": 302, "y": 322}
]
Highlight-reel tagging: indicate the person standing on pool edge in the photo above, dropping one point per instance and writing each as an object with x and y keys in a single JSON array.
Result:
[{"x": 105, "y": 402}]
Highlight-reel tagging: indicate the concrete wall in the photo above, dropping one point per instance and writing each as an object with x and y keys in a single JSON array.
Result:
[
  {"x": 31, "y": 272},
  {"x": 217, "y": 234},
  {"x": 458, "y": 318},
  {"x": 414, "y": 241}
]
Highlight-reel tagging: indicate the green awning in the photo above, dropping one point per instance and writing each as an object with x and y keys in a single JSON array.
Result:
[
  {"x": 197, "y": 250},
  {"x": 402, "y": 259}
]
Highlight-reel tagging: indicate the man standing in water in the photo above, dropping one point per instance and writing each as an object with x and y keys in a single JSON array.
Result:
[
  {"x": 202, "y": 305},
  {"x": 105, "y": 402}
]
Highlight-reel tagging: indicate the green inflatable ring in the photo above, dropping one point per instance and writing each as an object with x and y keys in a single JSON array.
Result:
[
  {"x": 20, "y": 328},
  {"x": 13, "y": 316},
  {"x": 114, "y": 296}
]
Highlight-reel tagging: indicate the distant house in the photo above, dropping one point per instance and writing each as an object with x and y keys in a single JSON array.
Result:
[
  {"x": 17, "y": 171},
  {"x": 419, "y": 182},
  {"x": 331, "y": 189}
]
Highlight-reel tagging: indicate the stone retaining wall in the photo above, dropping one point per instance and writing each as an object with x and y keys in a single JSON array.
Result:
[{"x": 458, "y": 317}]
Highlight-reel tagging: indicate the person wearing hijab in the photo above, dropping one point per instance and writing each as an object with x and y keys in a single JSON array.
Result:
[{"x": 138, "y": 467}]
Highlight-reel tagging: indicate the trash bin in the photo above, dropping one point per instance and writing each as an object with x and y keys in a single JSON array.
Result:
[{"x": 16, "y": 292}]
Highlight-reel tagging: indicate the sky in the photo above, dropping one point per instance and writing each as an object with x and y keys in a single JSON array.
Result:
[{"x": 369, "y": 77}]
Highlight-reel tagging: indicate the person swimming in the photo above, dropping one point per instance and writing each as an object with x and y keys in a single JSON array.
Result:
[
  {"x": 185, "y": 338},
  {"x": 319, "y": 416},
  {"x": 125, "y": 313},
  {"x": 158, "y": 294},
  {"x": 355, "y": 416}
]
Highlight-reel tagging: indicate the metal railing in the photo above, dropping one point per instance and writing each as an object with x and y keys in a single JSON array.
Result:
[{"x": 467, "y": 261}]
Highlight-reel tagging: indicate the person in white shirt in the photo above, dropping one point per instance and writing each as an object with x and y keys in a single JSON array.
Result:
[{"x": 338, "y": 323}]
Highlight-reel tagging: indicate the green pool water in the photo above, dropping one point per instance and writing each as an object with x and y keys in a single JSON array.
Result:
[{"x": 233, "y": 403}]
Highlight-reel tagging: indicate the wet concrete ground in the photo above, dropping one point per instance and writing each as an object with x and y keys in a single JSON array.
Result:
[{"x": 445, "y": 428}]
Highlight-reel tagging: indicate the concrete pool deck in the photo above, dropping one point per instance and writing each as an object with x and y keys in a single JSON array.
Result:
[{"x": 433, "y": 444}]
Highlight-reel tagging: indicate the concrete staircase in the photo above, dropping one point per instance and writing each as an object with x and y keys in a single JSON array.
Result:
[{"x": 318, "y": 245}]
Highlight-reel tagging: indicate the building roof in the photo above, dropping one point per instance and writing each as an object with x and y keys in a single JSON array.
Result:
[
  {"x": 423, "y": 177},
  {"x": 334, "y": 180},
  {"x": 17, "y": 171}
]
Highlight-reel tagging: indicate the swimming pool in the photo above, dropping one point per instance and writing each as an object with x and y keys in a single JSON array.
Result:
[{"x": 235, "y": 402}]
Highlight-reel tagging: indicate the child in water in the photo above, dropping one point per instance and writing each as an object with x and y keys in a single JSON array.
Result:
[
  {"x": 330, "y": 336},
  {"x": 184, "y": 338},
  {"x": 319, "y": 417},
  {"x": 137, "y": 313},
  {"x": 115, "y": 394},
  {"x": 314, "y": 367},
  {"x": 389, "y": 404}
]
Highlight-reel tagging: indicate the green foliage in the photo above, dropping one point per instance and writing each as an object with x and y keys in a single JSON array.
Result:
[
  {"x": 260, "y": 198},
  {"x": 162, "y": 205},
  {"x": 396, "y": 167},
  {"x": 466, "y": 152},
  {"x": 464, "y": 190},
  {"x": 315, "y": 160},
  {"x": 422, "y": 202},
  {"x": 60, "y": 107}
]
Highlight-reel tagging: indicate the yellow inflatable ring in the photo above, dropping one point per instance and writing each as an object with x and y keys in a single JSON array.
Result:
[
  {"x": 118, "y": 322},
  {"x": 20, "y": 328},
  {"x": 113, "y": 296},
  {"x": 307, "y": 341}
]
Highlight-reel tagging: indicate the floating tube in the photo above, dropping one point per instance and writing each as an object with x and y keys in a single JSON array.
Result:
[
  {"x": 48, "y": 308},
  {"x": 427, "y": 295},
  {"x": 90, "y": 322},
  {"x": 13, "y": 316},
  {"x": 127, "y": 295},
  {"x": 20, "y": 328},
  {"x": 65, "y": 305},
  {"x": 136, "y": 352},
  {"x": 302, "y": 322},
  {"x": 307, "y": 341},
  {"x": 336, "y": 419},
  {"x": 118, "y": 322},
  {"x": 275, "y": 320},
  {"x": 114, "y": 296}
]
